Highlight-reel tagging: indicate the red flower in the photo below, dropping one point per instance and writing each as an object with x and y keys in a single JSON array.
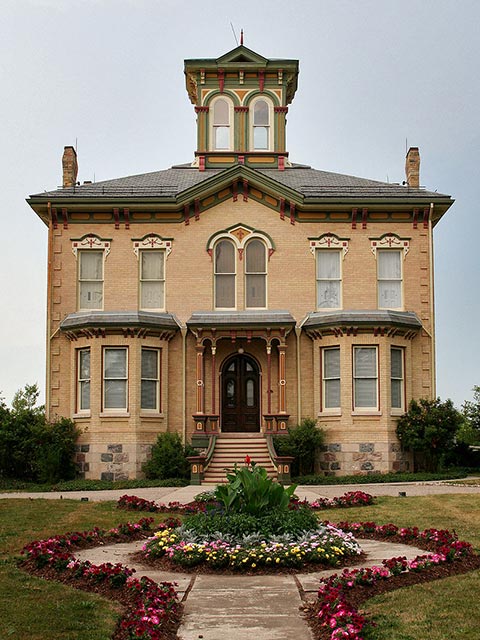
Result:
[{"x": 247, "y": 460}]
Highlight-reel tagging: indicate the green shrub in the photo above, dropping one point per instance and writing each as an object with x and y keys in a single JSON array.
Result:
[
  {"x": 302, "y": 442},
  {"x": 243, "y": 524},
  {"x": 382, "y": 477},
  {"x": 250, "y": 490},
  {"x": 169, "y": 458}
]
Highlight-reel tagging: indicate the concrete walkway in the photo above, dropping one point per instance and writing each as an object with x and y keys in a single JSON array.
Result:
[
  {"x": 310, "y": 492},
  {"x": 239, "y": 607}
]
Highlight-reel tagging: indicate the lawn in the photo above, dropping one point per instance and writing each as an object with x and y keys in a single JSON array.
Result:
[{"x": 37, "y": 610}]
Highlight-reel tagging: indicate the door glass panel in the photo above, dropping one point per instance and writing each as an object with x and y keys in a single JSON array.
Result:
[
  {"x": 231, "y": 393},
  {"x": 231, "y": 367},
  {"x": 250, "y": 395},
  {"x": 249, "y": 367}
]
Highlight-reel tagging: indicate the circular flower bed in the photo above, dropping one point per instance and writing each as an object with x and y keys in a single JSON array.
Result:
[{"x": 326, "y": 545}]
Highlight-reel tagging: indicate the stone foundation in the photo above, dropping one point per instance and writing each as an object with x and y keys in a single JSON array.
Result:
[{"x": 113, "y": 461}]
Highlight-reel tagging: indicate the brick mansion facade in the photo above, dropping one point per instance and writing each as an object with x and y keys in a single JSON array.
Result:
[{"x": 235, "y": 295}]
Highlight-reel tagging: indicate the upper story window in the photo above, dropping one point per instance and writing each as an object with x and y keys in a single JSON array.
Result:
[
  {"x": 329, "y": 279},
  {"x": 225, "y": 275},
  {"x": 90, "y": 279},
  {"x": 365, "y": 378},
  {"x": 90, "y": 251},
  {"x": 389, "y": 277},
  {"x": 255, "y": 275},
  {"x": 261, "y": 125},
  {"x": 221, "y": 130},
  {"x": 152, "y": 279}
]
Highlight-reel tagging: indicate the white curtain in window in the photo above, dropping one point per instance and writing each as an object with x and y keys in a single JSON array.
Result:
[
  {"x": 84, "y": 379},
  {"x": 328, "y": 279},
  {"x": 396, "y": 369},
  {"x": 91, "y": 279},
  {"x": 91, "y": 265},
  {"x": 221, "y": 122},
  {"x": 389, "y": 279},
  {"x": 260, "y": 125},
  {"x": 152, "y": 275}
]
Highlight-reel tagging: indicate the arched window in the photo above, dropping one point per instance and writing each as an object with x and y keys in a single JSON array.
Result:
[
  {"x": 221, "y": 125},
  {"x": 255, "y": 275},
  {"x": 261, "y": 125},
  {"x": 225, "y": 273}
]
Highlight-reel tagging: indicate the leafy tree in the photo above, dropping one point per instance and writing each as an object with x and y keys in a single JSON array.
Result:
[
  {"x": 429, "y": 429},
  {"x": 471, "y": 413},
  {"x": 302, "y": 442},
  {"x": 25, "y": 400}
]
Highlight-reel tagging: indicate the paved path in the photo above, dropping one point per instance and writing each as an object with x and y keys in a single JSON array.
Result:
[
  {"x": 310, "y": 492},
  {"x": 236, "y": 607}
]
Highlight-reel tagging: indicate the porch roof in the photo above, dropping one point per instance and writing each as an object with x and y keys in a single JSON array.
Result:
[
  {"x": 406, "y": 319},
  {"x": 236, "y": 319}
]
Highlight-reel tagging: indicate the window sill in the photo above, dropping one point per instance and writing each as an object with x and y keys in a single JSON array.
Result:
[
  {"x": 330, "y": 414},
  {"x": 81, "y": 416},
  {"x": 115, "y": 414},
  {"x": 152, "y": 414},
  {"x": 397, "y": 412},
  {"x": 367, "y": 412}
]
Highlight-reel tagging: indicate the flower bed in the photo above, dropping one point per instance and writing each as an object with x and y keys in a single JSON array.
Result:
[
  {"x": 327, "y": 546},
  {"x": 335, "y": 614},
  {"x": 152, "y": 610},
  {"x": 206, "y": 500}
]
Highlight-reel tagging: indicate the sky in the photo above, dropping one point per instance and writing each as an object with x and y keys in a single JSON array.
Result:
[{"x": 107, "y": 76}]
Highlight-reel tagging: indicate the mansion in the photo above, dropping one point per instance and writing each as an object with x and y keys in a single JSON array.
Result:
[{"x": 229, "y": 298}]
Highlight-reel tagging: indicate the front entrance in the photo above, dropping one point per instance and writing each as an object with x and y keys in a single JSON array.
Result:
[{"x": 240, "y": 394}]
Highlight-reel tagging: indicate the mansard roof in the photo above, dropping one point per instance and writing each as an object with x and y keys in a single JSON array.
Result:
[{"x": 309, "y": 184}]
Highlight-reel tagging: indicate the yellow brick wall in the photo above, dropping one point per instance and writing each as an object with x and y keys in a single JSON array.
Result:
[{"x": 189, "y": 288}]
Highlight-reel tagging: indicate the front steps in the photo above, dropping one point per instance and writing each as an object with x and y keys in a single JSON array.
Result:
[{"x": 231, "y": 448}]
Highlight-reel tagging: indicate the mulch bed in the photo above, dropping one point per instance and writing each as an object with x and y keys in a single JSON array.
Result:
[{"x": 359, "y": 594}]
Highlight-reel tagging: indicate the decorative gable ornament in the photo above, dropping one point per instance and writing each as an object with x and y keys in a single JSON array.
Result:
[
  {"x": 390, "y": 241},
  {"x": 91, "y": 241},
  {"x": 329, "y": 241},
  {"x": 152, "y": 241}
]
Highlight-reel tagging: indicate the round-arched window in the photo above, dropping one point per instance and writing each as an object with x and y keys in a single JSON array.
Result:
[
  {"x": 221, "y": 124},
  {"x": 261, "y": 125},
  {"x": 225, "y": 275},
  {"x": 255, "y": 275}
]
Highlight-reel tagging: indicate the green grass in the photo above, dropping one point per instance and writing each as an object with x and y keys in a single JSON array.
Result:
[
  {"x": 440, "y": 610},
  {"x": 35, "y": 609},
  {"x": 7, "y": 484}
]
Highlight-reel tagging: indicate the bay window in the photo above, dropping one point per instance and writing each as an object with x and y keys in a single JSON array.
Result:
[
  {"x": 150, "y": 380},
  {"x": 83, "y": 380},
  {"x": 331, "y": 378},
  {"x": 365, "y": 378},
  {"x": 115, "y": 378}
]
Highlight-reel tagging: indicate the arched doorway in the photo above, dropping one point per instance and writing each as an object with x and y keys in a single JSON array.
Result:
[{"x": 240, "y": 394}]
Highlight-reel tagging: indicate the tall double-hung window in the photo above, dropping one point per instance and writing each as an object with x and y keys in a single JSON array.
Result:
[
  {"x": 90, "y": 279},
  {"x": 365, "y": 378},
  {"x": 331, "y": 378},
  {"x": 389, "y": 276},
  {"x": 329, "y": 279},
  {"x": 221, "y": 130},
  {"x": 152, "y": 279},
  {"x": 115, "y": 378},
  {"x": 261, "y": 125},
  {"x": 150, "y": 379},
  {"x": 225, "y": 275},
  {"x": 83, "y": 380},
  {"x": 397, "y": 378},
  {"x": 255, "y": 275}
]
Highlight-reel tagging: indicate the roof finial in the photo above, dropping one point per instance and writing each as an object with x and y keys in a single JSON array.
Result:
[{"x": 241, "y": 37}]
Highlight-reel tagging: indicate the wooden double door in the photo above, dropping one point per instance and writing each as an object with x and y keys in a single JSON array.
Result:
[{"x": 240, "y": 394}]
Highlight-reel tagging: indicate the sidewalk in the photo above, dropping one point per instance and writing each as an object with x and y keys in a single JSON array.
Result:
[
  {"x": 238, "y": 607},
  {"x": 309, "y": 492}
]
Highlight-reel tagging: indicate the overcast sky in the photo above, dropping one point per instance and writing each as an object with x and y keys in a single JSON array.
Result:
[{"x": 107, "y": 75}]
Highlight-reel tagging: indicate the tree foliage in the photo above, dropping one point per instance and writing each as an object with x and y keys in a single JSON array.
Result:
[
  {"x": 429, "y": 429},
  {"x": 471, "y": 413},
  {"x": 32, "y": 448}
]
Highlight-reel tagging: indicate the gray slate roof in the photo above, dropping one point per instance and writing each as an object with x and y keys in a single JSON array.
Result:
[
  {"x": 104, "y": 319},
  {"x": 360, "y": 317},
  {"x": 275, "y": 317},
  {"x": 170, "y": 183}
]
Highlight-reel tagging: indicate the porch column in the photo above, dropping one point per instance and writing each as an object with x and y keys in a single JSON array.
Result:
[
  {"x": 269, "y": 379},
  {"x": 282, "y": 396},
  {"x": 214, "y": 399},
  {"x": 200, "y": 381}
]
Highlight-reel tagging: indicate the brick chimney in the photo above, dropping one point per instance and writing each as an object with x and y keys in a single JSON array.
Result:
[
  {"x": 70, "y": 167},
  {"x": 412, "y": 167}
]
